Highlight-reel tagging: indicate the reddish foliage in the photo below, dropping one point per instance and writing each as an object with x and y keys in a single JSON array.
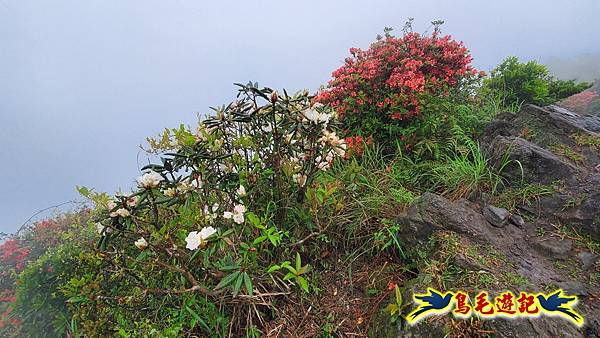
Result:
[
  {"x": 391, "y": 75},
  {"x": 15, "y": 253},
  {"x": 580, "y": 102}
]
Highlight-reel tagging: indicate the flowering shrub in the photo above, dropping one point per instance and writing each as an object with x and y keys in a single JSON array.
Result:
[
  {"x": 379, "y": 91},
  {"x": 208, "y": 222},
  {"x": 16, "y": 253}
]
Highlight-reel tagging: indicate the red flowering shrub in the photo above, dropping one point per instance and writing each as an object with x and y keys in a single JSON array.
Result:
[
  {"x": 19, "y": 251},
  {"x": 13, "y": 257},
  {"x": 382, "y": 90}
]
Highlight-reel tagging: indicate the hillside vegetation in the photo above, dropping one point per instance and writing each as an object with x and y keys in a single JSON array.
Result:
[{"x": 277, "y": 215}]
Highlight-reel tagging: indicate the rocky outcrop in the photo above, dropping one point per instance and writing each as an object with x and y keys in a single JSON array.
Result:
[
  {"x": 547, "y": 146},
  {"x": 523, "y": 161},
  {"x": 528, "y": 255},
  {"x": 543, "y": 246}
]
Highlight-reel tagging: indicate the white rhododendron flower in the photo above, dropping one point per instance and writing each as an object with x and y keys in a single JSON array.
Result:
[
  {"x": 170, "y": 192},
  {"x": 330, "y": 155},
  {"x": 132, "y": 201},
  {"x": 192, "y": 240},
  {"x": 338, "y": 144},
  {"x": 329, "y": 137},
  {"x": 322, "y": 165},
  {"x": 207, "y": 232},
  {"x": 227, "y": 168},
  {"x": 237, "y": 214},
  {"x": 195, "y": 239},
  {"x": 300, "y": 179},
  {"x": 192, "y": 184},
  {"x": 149, "y": 180},
  {"x": 100, "y": 228},
  {"x": 141, "y": 243},
  {"x": 241, "y": 191},
  {"x": 315, "y": 116},
  {"x": 120, "y": 212},
  {"x": 340, "y": 150}
]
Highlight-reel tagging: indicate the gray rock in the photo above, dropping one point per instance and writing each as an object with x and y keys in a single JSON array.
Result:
[
  {"x": 517, "y": 220},
  {"x": 530, "y": 162},
  {"x": 587, "y": 259},
  {"x": 498, "y": 217},
  {"x": 555, "y": 247},
  {"x": 573, "y": 288},
  {"x": 468, "y": 263},
  {"x": 584, "y": 122},
  {"x": 431, "y": 213}
]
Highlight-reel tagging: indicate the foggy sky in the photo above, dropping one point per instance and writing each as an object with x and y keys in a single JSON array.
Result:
[{"x": 82, "y": 83}]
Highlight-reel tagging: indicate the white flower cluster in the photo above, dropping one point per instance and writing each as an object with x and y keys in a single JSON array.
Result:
[
  {"x": 149, "y": 180},
  {"x": 184, "y": 187},
  {"x": 210, "y": 214},
  {"x": 313, "y": 115},
  {"x": 119, "y": 212},
  {"x": 141, "y": 243},
  {"x": 237, "y": 214},
  {"x": 196, "y": 239},
  {"x": 338, "y": 148},
  {"x": 189, "y": 185}
]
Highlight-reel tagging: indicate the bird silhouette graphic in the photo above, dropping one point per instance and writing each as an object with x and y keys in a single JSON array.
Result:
[
  {"x": 429, "y": 303},
  {"x": 558, "y": 303}
]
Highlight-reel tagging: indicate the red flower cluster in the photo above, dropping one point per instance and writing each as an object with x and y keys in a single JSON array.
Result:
[
  {"x": 13, "y": 254},
  {"x": 389, "y": 77},
  {"x": 355, "y": 145}
]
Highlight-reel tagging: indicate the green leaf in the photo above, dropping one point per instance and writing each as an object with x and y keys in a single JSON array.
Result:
[
  {"x": 391, "y": 308},
  {"x": 196, "y": 317},
  {"x": 227, "y": 280},
  {"x": 398, "y": 296},
  {"x": 298, "y": 262},
  {"x": 83, "y": 191},
  {"x": 248, "y": 283},
  {"x": 238, "y": 284},
  {"x": 195, "y": 255},
  {"x": 289, "y": 276},
  {"x": 229, "y": 267},
  {"x": 274, "y": 268},
  {"x": 143, "y": 255},
  {"x": 320, "y": 196},
  {"x": 274, "y": 240},
  {"x": 303, "y": 283},
  {"x": 259, "y": 240},
  {"x": 253, "y": 219}
]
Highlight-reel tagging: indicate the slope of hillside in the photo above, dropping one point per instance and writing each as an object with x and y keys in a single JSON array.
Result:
[{"x": 586, "y": 102}]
